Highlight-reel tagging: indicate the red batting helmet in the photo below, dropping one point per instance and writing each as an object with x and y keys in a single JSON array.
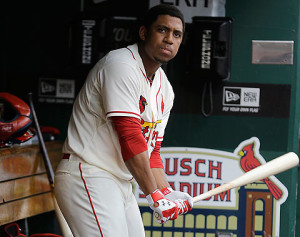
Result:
[{"x": 15, "y": 118}]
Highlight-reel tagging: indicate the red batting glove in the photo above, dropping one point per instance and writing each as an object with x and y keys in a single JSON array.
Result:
[
  {"x": 183, "y": 200},
  {"x": 163, "y": 208}
]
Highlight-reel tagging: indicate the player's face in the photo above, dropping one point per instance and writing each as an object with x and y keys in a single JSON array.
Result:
[{"x": 163, "y": 38}]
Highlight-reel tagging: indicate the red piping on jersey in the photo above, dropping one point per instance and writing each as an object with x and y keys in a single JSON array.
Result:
[
  {"x": 131, "y": 53},
  {"x": 90, "y": 199},
  {"x": 158, "y": 90},
  {"x": 125, "y": 112},
  {"x": 147, "y": 80}
]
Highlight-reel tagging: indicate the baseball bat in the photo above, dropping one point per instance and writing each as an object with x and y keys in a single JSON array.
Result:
[
  {"x": 65, "y": 229},
  {"x": 273, "y": 167}
]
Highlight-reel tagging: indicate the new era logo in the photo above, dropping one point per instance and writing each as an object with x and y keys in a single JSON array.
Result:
[
  {"x": 232, "y": 96},
  {"x": 241, "y": 96},
  {"x": 59, "y": 88}
]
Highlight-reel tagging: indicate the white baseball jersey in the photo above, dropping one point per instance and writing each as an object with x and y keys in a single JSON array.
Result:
[{"x": 117, "y": 86}]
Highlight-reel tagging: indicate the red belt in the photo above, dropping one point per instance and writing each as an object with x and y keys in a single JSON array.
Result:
[{"x": 66, "y": 156}]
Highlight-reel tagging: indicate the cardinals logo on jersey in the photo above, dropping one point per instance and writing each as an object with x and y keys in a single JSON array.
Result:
[
  {"x": 142, "y": 104},
  {"x": 249, "y": 161}
]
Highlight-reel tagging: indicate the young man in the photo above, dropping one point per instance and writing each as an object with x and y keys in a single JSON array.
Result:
[{"x": 115, "y": 133}]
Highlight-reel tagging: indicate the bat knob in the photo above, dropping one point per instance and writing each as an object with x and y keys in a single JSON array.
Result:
[{"x": 156, "y": 215}]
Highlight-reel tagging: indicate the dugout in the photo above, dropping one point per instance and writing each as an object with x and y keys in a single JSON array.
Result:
[{"x": 37, "y": 50}]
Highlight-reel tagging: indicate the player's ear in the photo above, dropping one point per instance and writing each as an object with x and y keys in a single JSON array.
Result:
[{"x": 143, "y": 33}]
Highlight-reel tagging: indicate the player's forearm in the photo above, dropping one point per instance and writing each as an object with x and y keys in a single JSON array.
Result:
[
  {"x": 160, "y": 178},
  {"x": 139, "y": 167}
]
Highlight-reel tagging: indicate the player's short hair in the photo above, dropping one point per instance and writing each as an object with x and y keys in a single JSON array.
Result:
[{"x": 162, "y": 9}]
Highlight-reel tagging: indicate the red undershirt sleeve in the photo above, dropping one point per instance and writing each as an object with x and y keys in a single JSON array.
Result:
[
  {"x": 155, "y": 159},
  {"x": 130, "y": 136}
]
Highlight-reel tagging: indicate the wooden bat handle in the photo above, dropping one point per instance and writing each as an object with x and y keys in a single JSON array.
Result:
[{"x": 65, "y": 229}]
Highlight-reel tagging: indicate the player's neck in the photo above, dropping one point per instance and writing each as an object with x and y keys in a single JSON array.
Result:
[{"x": 150, "y": 65}]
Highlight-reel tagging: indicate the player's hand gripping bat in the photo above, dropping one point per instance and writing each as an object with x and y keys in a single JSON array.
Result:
[
  {"x": 273, "y": 167},
  {"x": 65, "y": 229}
]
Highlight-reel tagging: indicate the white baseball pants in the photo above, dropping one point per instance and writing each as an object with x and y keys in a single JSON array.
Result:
[{"x": 96, "y": 203}]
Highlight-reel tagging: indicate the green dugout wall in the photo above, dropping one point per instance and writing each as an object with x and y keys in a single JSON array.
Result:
[{"x": 278, "y": 133}]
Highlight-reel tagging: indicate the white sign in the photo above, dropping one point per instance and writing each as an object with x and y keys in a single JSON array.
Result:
[
  {"x": 191, "y": 8},
  {"x": 198, "y": 170}
]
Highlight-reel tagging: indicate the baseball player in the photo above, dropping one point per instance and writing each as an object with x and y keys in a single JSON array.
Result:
[{"x": 115, "y": 134}]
